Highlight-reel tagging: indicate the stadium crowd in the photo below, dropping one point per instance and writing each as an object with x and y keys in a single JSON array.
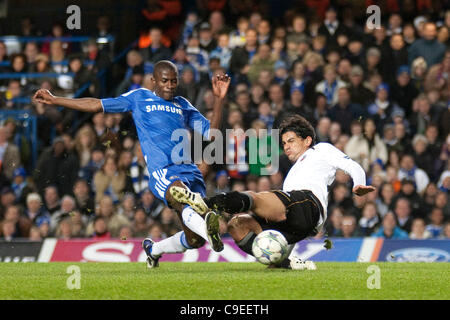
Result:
[{"x": 380, "y": 95}]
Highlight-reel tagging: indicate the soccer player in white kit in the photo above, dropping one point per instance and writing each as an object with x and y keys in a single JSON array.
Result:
[{"x": 300, "y": 209}]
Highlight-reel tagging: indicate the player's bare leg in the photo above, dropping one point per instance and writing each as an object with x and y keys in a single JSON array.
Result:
[{"x": 197, "y": 228}]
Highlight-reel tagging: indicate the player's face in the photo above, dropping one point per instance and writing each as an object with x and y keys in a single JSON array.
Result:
[
  {"x": 166, "y": 82},
  {"x": 294, "y": 146}
]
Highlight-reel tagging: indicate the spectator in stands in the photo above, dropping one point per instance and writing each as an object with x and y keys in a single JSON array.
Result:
[
  {"x": 223, "y": 51},
  {"x": 35, "y": 211},
  {"x": 155, "y": 231},
  {"x": 237, "y": 36},
  {"x": 418, "y": 72},
  {"x": 127, "y": 206},
  {"x": 58, "y": 57},
  {"x": 82, "y": 76},
  {"x": 331, "y": 27},
  {"x": 331, "y": 85},
  {"x": 436, "y": 225},
  {"x": 110, "y": 180},
  {"x": 366, "y": 147},
  {"x": 359, "y": 93},
  {"x": 19, "y": 65},
  {"x": 55, "y": 166},
  {"x": 9, "y": 155},
  {"x": 349, "y": 228},
  {"x": 241, "y": 56},
  {"x": 31, "y": 51},
  {"x": 104, "y": 34},
  {"x": 51, "y": 199},
  {"x": 35, "y": 234},
  {"x": 135, "y": 81},
  {"x": 100, "y": 229},
  {"x": 370, "y": 219},
  {"x": 140, "y": 223},
  {"x": 20, "y": 185},
  {"x": 344, "y": 111},
  {"x": 95, "y": 163},
  {"x": 383, "y": 107},
  {"x": 423, "y": 114},
  {"x": 418, "y": 230},
  {"x": 261, "y": 61},
  {"x": 157, "y": 50},
  {"x": 151, "y": 205},
  {"x": 334, "y": 222},
  {"x": 85, "y": 141},
  {"x": 427, "y": 47},
  {"x": 409, "y": 170},
  {"x": 125, "y": 233},
  {"x": 68, "y": 205},
  {"x": 22, "y": 224},
  {"x": 402, "y": 211},
  {"x": 8, "y": 230},
  {"x": 114, "y": 221},
  {"x": 169, "y": 223},
  {"x": 389, "y": 228},
  {"x": 385, "y": 199},
  {"x": 83, "y": 199},
  {"x": 64, "y": 229},
  {"x": 403, "y": 91},
  {"x": 438, "y": 76}
]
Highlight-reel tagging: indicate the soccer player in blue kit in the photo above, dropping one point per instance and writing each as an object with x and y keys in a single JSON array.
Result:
[{"x": 157, "y": 114}]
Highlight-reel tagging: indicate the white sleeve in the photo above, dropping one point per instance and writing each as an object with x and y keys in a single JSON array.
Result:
[{"x": 339, "y": 160}]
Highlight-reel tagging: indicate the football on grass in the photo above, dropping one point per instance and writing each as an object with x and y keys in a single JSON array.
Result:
[{"x": 270, "y": 247}]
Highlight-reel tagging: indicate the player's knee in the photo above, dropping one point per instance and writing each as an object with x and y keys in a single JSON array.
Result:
[{"x": 196, "y": 242}]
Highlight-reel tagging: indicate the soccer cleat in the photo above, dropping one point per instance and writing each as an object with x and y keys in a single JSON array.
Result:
[
  {"x": 193, "y": 199},
  {"x": 297, "y": 264},
  {"x": 212, "y": 231},
  {"x": 147, "y": 245}
]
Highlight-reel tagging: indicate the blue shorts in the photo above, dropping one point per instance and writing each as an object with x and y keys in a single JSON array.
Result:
[{"x": 189, "y": 174}]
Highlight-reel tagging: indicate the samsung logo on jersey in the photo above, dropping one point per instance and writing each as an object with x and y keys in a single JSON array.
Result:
[
  {"x": 418, "y": 255},
  {"x": 161, "y": 107}
]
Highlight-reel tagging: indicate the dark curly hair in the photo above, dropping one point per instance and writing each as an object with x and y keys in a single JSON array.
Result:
[{"x": 300, "y": 126}]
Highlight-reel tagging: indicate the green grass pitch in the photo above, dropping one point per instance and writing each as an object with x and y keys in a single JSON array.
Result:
[{"x": 224, "y": 281}]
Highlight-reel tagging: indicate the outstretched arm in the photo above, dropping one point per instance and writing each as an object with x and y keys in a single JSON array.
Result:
[
  {"x": 220, "y": 85},
  {"x": 345, "y": 163},
  {"x": 80, "y": 104}
]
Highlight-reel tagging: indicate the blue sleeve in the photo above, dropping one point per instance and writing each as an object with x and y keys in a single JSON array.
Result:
[
  {"x": 122, "y": 103},
  {"x": 195, "y": 120}
]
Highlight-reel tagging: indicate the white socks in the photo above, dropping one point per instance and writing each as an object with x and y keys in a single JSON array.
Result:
[
  {"x": 178, "y": 243},
  {"x": 174, "y": 244},
  {"x": 195, "y": 222}
]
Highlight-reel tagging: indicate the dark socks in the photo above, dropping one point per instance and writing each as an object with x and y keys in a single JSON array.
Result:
[
  {"x": 247, "y": 243},
  {"x": 231, "y": 202}
]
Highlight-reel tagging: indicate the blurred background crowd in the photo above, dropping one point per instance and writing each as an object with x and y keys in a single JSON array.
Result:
[{"x": 380, "y": 95}]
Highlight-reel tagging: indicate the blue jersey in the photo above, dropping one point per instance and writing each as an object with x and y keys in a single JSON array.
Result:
[{"x": 156, "y": 119}]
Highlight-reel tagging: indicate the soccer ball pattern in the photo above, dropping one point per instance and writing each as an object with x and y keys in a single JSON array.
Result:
[{"x": 270, "y": 247}]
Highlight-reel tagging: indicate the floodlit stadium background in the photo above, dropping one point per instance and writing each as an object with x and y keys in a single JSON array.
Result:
[{"x": 380, "y": 93}]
